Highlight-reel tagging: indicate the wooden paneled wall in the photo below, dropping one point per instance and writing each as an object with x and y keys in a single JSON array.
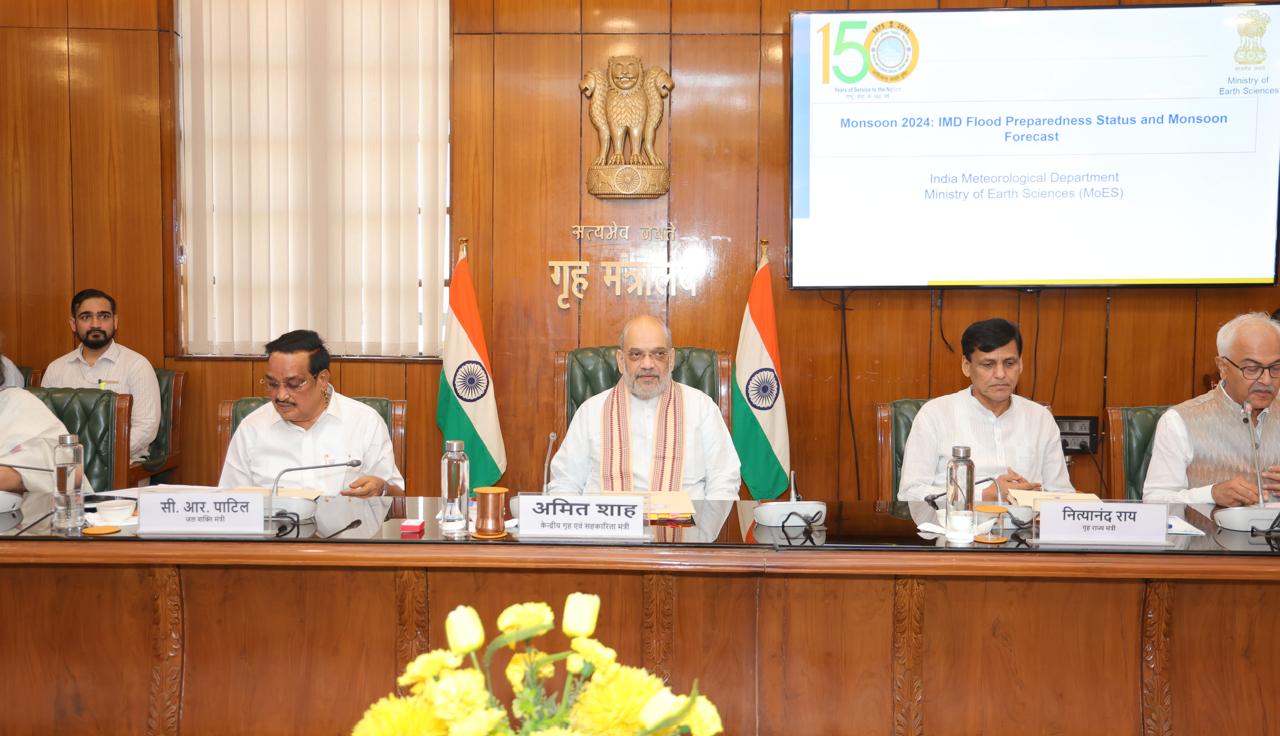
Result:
[{"x": 87, "y": 130}]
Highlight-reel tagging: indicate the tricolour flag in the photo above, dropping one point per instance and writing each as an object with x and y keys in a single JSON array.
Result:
[
  {"x": 759, "y": 406},
  {"x": 465, "y": 408}
]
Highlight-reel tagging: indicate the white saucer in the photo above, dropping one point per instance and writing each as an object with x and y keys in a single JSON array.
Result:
[{"x": 92, "y": 519}]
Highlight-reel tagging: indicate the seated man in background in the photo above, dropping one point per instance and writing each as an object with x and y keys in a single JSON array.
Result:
[
  {"x": 1201, "y": 452},
  {"x": 1012, "y": 440},
  {"x": 10, "y": 376},
  {"x": 648, "y": 433},
  {"x": 28, "y": 434},
  {"x": 101, "y": 362},
  {"x": 307, "y": 422}
]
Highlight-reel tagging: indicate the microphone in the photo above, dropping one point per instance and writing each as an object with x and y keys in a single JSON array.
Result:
[
  {"x": 1253, "y": 446},
  {"x": 546, "y": 464},
  {"x": 354, "y": 523},
  {"x": 275, "y": 487}
]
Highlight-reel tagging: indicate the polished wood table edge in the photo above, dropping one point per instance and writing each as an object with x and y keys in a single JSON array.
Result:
[{"x": 735, "y": 560}]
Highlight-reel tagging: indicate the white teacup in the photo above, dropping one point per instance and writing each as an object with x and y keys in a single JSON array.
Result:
[{"x": 117, "y": 511}]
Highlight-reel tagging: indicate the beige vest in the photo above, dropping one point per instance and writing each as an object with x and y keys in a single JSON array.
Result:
[{"x": 1219, "y": 441}]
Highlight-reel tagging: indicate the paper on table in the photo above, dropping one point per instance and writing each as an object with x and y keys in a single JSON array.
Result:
[
  {"x": 1033, "y": 498},
  {"x": 1180, "y": 526}
]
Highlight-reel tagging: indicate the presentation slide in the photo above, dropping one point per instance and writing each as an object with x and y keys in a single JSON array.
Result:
[{"x": 1035, "y": 147}]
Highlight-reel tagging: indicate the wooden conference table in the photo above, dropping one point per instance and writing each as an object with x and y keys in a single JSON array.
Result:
[{"x": 876, "y": 631}]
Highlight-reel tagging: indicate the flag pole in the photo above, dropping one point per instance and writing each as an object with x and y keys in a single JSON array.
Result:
[{"x": 763, "y": 255}]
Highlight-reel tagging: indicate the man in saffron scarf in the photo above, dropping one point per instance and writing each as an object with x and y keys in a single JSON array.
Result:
[{"x": 648, "y": 433}]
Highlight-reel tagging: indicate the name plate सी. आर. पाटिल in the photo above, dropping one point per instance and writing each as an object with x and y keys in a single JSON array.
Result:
[
  {"x": 199, "y": 513},
  {"x": 1067, "y": 522},
  {"x": 592, "y": 516}
]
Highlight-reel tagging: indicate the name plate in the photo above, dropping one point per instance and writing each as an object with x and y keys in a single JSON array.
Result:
[
  {"x": 1066, "y": 522},
  {"x": 199, "y": 514},
  {"x": 600, "y": 516}
]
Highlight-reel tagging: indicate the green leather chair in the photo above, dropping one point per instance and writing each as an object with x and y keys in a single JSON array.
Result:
[
  {"x": 101, "y": 420},
  {"x": 232, "y": 411},
  {"x": 893, "y": 424},
  {"x": 164, "y": 452},
  {"x": 585, "y": 372},
  {"x": 1131, "y": 430},
  {"x": 25, "y": 370}
]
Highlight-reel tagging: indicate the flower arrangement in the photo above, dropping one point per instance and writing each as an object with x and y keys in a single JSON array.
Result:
[{"x": 600, "y": 698}]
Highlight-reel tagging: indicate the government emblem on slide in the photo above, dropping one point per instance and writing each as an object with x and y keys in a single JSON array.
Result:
[
  {"x": 470, "y": 381},
  {"x": 763, "y": 389},
  {"x": 1252, "y": 26},
  {"x": 626, "y": 107}
]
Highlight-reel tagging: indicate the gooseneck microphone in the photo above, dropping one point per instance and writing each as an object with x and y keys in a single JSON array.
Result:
[
  {"x": 1245, "y": 414},
  {"x": 546, "y": 464},
  {"x": 275, "y": 487}
]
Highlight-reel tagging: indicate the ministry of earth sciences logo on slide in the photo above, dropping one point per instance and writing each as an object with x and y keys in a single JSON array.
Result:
[
  {"x": 894, "y": 51},
  {"x": 1251, "y": 25}
]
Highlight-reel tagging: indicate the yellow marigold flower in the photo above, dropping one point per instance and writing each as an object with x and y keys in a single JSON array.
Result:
[
  {"x": 525, "y": 616},
  {"x": 557, "y": 732},
  {"x": 661, "y": 706},
  {"x": 600, "y": 656},
  {"x": 394, "y": 716},
  {"x": 463, "y": 628},
  {"x": 611, "y": 702},
  {"x": 580, "y": 613},
  {"x": 459, "y": 693},
  {"x": 704, "y": 719},
  {"x": 521, "y": 662},
  {"x": 480, "y": 723},
  {"x": 426, "y": 667},
  {"x": 574, "y": 664}
]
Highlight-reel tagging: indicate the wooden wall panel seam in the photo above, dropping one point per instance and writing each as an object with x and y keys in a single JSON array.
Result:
[
  {"x": 1157, "y": 690},
  {"x": 908, "y": 656},
  {"x": 164, "y": 701}
]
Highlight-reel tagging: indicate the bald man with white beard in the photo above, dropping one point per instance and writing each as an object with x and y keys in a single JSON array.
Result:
[
  {"x": 648, "y": 433},
  {"x": 1201, "y": 451}
]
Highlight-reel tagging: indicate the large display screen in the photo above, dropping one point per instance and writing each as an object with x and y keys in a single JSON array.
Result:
[{"x": 1035, "y": 147}]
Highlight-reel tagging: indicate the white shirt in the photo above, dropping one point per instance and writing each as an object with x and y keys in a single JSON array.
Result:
[
  {"x": 12, "y": 377},
  {"x": 264, "y": 444},
  {"x": 711, "y": 468},
  {"x": 1171, "y": 453},
  {"x": 121, "y": 370},
  {"x": 1024, "y": 438},
  {"x": 28, "y": 434}
]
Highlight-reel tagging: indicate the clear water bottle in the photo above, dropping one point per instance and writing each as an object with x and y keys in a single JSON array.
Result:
[
  {"x": 959, "y": 518},
  {"x": 68, "y": 492},
  {"x": 455, "y": 491}
]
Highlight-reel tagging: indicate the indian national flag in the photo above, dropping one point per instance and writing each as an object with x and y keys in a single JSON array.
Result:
[
  {"x": 759, "y": 406},
  {"x": 465, "y": 408}
]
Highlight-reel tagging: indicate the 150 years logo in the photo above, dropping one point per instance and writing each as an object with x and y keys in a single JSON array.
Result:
[{"x": 889, "y": 52}]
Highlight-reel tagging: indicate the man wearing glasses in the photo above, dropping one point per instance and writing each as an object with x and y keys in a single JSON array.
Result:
[
  {"x": 101, "y": 362},
  {"x": 307, "y": 422},
  {"x": 1201, "y": 451},
  {"x": 648, "y": 433}
]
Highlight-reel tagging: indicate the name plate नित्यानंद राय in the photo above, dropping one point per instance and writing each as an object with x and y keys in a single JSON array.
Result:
[
  {"x": 1066, "y": 522},
  {"x": 598, "y": 516},
  {"x": 186, "y": 513}
]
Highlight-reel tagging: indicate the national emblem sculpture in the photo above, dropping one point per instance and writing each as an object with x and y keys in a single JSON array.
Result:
[{"x": 626, "y": 108}]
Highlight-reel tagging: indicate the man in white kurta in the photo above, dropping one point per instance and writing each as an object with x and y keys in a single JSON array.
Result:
[
  {"x": 10, "y": 376},
  {"x": 710, "y": 467},
  {"x": 28, "y": 434},
  {"x": 1201, "y": 453},
  {"x": 1014, "y": 443},
  {"x": 101, "y": 362},
  {"x": 307, "y": 422}
]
